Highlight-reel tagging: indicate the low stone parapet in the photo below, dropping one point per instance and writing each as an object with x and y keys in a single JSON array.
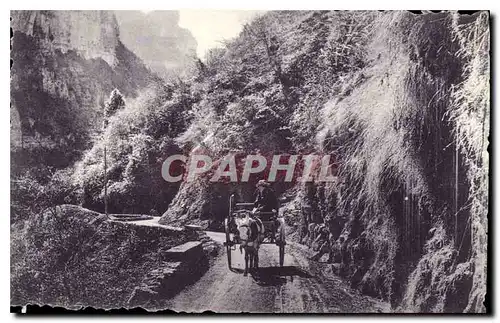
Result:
[
  {"x": 130, "y": 217},
  {"x": 185, "y": 251},
  {"x": 182, "y": 265}
]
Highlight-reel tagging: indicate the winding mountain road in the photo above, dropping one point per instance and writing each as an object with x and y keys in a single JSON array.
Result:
[{"x": 297, "y": 287}]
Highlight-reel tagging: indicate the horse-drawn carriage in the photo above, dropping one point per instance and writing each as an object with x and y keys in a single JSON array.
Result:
[{"x": 273, "y": 228}]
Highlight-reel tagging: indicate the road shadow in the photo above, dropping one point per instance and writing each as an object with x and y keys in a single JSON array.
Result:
[
  {"x": 276, "y": 276},
  {"x": 236, "y": 270}
]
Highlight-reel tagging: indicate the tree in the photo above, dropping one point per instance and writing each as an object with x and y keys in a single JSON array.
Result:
[
  {"x": 262, "y": 34},
  {"x": 115, "y": 103}
]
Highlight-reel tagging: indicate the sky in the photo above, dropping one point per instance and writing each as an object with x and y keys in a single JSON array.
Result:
[{"x": 209, "y": 27}]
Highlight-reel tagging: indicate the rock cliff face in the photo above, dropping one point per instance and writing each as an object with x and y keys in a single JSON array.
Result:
[
  {"x": 157, "y": 39},
  {"x": 65, "y": 64},
  {"x": 93, "y": 34}
]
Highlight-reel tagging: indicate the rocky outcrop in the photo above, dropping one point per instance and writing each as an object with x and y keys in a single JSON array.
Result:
[{"x": 157, "y": 39}]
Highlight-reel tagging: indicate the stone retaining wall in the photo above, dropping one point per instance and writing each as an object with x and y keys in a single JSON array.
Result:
[{"x": 180, "y": 266}]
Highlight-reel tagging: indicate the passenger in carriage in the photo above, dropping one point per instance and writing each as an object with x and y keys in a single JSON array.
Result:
[{"x": 265, "y": 198}]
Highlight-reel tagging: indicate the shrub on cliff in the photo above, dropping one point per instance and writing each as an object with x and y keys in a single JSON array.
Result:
[
  {"x": 138, "y": 139},
  {"x": 37, "y": 190}
]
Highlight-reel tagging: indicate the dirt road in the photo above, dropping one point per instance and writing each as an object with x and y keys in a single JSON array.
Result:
[{"x": 295, "y": 288}]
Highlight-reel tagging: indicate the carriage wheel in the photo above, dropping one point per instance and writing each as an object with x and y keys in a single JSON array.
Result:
[
  {"x": 228, "y": 242},
  {"x": 228, "y": 251},
  {"x": 282, "y": 254},
  {"x": 282, "y": 244}
]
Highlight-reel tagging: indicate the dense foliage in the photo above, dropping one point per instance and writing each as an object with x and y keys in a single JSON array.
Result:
[{"x": 138, "y": 138}]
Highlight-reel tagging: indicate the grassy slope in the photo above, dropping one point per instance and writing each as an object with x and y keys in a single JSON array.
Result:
[{"x": 71, "y": 257}]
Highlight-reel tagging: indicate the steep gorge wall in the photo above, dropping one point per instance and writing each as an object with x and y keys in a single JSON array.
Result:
[
  {"x": 259, "y": 95},
  {"x": 411, "y": 141},
  {"x": 65, "y": 64},
  {"x": 93, "y": 34}
]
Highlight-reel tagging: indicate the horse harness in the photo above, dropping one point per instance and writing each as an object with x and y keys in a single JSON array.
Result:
[{"x": 253, "y": 229}]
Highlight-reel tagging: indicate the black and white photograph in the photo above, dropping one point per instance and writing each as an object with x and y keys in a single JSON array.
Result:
[{"x": 250, "y": 161}]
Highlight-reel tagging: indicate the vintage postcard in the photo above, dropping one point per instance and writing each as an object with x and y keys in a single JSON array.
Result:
[{"x": 250, "y": 161}]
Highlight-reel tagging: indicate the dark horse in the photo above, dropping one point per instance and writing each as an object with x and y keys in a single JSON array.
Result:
[{"x": 251, "y": 234}]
